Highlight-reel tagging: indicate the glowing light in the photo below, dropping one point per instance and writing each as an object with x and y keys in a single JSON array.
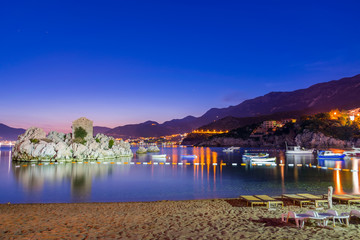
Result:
[
  {"x": 209, "y": 131},
  {"x": 338, "y": 186}
]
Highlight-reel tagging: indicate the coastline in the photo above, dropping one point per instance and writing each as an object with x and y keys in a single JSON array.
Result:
[{"x": 187, "y": 219}]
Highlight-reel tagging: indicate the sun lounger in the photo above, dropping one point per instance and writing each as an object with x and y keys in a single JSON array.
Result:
[
  {"x": 332, "y": 214},
  {"x": 346, "y": 198},
  {"x": 355, "y": 213},
  {"x": 269, "y": 200},
  {"x": 296, "y": 198},
  {"x": 353, "y": 196},
  {"x": 252, "y": 200},
  {"x": 301, "y": 218},
  {"x": 322, "y": 221},
  {"x": 313, "y": 198}
]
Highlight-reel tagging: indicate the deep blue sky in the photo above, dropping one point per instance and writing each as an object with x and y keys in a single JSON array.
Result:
[{"x": 119, "y": 62}]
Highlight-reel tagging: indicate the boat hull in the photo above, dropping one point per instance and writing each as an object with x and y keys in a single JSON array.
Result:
[
  {"x": 299, "y": 152},
  {"x": 257, "y": 156},
  {"x": 159, "y": 156},
  {"x": 263, "y": 159},
  {"x": 189, "y": 157},
  {"x": 332, "y": 157}
]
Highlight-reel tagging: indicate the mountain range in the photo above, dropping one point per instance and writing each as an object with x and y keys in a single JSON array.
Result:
[
  {"x": 9, "y": 133},
  {"x": 321, "y": 97}
]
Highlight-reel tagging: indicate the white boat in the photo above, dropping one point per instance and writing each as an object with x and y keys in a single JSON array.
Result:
[
  {"x": 158, "y": 156},
  {"x": 249, "y": 156},
  {"x": 354, "y": 152},
  {"x": 231, "y": 149},
  {"x": 268, "y": 159},
  {"x": 228, "y": 150},
  {"x": 297, "y": 150}
]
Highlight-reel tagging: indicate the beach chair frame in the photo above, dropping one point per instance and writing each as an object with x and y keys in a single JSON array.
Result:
[
  {"x": 269, "y": 200},
  {"x": 313, "y": 198},
  {"x": 295, "y": 198},
  {"x": 250, "y": 199},
  {"x": 346, "y": 198}
]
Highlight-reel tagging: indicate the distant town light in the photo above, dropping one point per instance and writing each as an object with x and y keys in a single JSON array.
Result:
[{"x": 352, "y": 117}]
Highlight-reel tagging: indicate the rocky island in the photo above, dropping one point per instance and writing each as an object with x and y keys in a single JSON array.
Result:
[{"x": 35, "y": 145}]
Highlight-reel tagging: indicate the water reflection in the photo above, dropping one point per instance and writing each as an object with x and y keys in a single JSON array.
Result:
[
  {"x": 355, "y": 175},
  {"x": 34, "y": 177},
  {"x": 208, "y": 176},
  {"x": 338, "y": 186}
]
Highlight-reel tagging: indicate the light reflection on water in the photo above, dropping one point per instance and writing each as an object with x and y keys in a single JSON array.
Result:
[{"x": 195, "y": 179}]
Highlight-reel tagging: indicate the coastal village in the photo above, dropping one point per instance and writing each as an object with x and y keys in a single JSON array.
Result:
[
  {"x": 180, "y": 120},
  {"x": 266, "y": 127}
]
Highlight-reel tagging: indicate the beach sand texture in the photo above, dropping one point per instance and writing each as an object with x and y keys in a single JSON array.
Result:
[{"x": 195, "y": 219}]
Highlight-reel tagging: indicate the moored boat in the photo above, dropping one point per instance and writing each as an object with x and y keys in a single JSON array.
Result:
[
  {"x": 231, "y": 149},
  {"x": 298, "y": 150},
  {"x": 188, "y": 157},
  {"x": 158, "y": 156},
  {"x": 267, "y": 159},
  {"x": 228, "y": 150},
  {"x": 249, "y": 156},
  {"x": 330, "y": 155},
  {"x": 355, "y": 152}
]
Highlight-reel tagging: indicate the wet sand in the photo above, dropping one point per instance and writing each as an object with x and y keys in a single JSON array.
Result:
[{"x": 195, "y": 219}]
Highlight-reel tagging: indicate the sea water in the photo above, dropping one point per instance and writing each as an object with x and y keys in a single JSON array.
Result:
[{"x": 213, "y": 174}]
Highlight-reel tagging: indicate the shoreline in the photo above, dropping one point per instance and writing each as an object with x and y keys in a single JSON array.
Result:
[{"x": 228, "y": 218}]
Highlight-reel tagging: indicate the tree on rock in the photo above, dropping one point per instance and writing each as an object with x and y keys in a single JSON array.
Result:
[
  {"x": 80, "y": 133},
  {"x": 111, "y": 143}
]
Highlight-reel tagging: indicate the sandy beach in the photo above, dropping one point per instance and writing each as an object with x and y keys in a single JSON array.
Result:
[{"x": 195, "y": 219}]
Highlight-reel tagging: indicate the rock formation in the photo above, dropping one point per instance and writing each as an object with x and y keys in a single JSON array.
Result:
[
  {"x": 141, "y": 150},
  {"x": 153, "y": 149},
  {"x": 34, "y": 145}
]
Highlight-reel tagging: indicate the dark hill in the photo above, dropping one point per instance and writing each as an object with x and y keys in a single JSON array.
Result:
[
  {"x": 229, "y": 123},
  {"x": 322, "y": 97},
  {"x": 9, "y": 133},
  {"x": 98, "y": 129}
]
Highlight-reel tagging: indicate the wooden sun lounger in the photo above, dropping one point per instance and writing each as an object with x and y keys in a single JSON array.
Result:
[
  {"x": 269, "y": 200},
  {"x": 252, "y": 200},
  {"x": 295, "y": 198},
  {"x": 352, "y": 196},
  {"x": 346, "y": 198},
  {"x": 313, "y": 198}
]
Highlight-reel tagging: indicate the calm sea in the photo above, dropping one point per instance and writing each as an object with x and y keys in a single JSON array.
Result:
[{"x": 211, "y": 175}]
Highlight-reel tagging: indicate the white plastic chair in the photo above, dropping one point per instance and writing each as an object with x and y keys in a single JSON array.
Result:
[
  {"x": 355, "y": 213},
  {"x": 302, "y": 217},
  {"x": 321, "y": 220},
  {"x": 299, "y": 218},
  {"x": 333, "y": 214}
]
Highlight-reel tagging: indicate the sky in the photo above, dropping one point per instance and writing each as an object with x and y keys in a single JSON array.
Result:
[{"x": 125, "y": 62}]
